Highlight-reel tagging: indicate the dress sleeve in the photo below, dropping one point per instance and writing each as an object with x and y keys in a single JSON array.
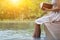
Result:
[{"x": 53, "y": 1}]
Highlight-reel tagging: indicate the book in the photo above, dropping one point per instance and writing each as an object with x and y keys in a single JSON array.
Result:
[{"x": 46, "y": 5}]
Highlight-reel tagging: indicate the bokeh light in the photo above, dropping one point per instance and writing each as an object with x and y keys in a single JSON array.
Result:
[
  {"x": 15, "y": 2},
  {"x": 18, "y": 9}
]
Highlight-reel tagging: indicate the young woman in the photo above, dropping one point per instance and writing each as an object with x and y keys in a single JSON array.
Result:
[{"x": 54, "y": 15}]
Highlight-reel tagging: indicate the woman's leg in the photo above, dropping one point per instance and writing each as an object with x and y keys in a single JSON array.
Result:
[
  {"x": 37, "y": 31},
  {"x": 37, "y": 28}
]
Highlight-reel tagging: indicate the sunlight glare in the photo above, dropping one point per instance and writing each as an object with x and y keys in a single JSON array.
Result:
[{"x": 15, "y": 2}]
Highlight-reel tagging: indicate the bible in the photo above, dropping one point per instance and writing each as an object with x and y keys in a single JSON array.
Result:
[{"x": 46, "y": 5}]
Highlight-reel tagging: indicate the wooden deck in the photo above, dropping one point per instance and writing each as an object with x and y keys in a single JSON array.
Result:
[{"x": 52, "y": 31}]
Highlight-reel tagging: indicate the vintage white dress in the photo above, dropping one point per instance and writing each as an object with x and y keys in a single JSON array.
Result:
[{"x": 53, "y": 16}]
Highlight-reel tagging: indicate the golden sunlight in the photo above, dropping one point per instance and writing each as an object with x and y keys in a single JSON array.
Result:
[{"x": 15, "y": 2}]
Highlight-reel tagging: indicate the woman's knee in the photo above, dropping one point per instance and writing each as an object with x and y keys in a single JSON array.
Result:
[{"x": 36, "y": 21}]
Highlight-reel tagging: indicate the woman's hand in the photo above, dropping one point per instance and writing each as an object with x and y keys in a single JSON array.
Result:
[{"x": 46, "y": 9}]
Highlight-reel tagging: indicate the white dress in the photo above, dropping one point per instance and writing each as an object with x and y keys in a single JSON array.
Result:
[{"x": 53, "y": 16}]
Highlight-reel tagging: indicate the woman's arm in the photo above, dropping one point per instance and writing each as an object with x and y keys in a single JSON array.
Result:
[{"x": 53, "y": 9}]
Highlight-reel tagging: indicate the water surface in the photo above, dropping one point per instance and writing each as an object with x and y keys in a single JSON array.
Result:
[{"x": 17, "y": 31}]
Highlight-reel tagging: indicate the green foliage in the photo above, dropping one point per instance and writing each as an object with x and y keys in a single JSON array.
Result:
[{"x": 29, "y": 11}]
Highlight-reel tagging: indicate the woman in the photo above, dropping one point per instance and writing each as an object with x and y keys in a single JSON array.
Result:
[{"x": 54, "y": 15}]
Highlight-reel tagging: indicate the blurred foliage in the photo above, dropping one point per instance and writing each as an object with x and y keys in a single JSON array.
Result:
[{"x": 29, "y": 10}]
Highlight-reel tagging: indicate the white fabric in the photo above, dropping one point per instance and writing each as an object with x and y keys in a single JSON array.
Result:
[
  {"x": 53, "y": 16},
  {"x": 53, "y": 1}
]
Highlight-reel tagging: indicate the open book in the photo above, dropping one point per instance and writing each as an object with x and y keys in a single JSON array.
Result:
[{"x": 46, "y": 5}]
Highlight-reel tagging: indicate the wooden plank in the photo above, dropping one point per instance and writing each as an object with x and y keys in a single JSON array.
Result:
[{"x": 52, "y": 31}]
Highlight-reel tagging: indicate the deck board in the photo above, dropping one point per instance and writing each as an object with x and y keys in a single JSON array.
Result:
[{"x": 53, "y": 29}]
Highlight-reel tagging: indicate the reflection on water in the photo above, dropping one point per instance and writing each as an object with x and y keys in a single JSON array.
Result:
[{"x": 24, "y": 31}]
